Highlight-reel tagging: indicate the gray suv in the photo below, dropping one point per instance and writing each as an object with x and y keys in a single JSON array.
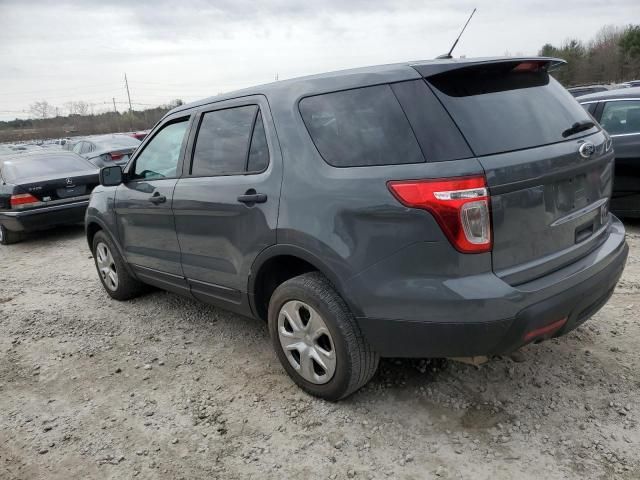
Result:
[{"x": 446, "y": 208}]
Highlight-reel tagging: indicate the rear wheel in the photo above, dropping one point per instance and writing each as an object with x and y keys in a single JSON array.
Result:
[
  {"x": 317, "y": 339},
  {"x": 8, "y": 237},
  {"x": 112, "y": 271}
]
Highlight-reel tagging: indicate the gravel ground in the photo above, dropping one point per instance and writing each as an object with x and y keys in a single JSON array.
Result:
[{"x": 164, "y": 387}]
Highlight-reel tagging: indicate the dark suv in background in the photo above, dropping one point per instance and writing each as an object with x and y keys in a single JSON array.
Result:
[
  {"x": 618, "y": 112},
  {"x": 447, "y": 208}
]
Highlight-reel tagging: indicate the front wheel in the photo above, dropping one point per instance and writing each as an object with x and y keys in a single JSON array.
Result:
[
  {"x": 317, "y": 340},
  {"x": 112, "y": 271}
]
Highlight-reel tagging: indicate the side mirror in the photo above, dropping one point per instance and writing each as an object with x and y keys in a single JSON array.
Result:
[{"x": 111, "y": 176}]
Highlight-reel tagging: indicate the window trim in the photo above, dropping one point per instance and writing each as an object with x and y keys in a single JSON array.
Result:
[
  {"x": 361, "y": 87},
  {"x": 131, "y": 166},
  {"x": 196, "y": 132}
]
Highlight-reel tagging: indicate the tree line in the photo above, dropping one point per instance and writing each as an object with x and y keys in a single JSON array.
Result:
[
  {"x": 79, "y": 121},
  {"x": 611, "y": 56}
]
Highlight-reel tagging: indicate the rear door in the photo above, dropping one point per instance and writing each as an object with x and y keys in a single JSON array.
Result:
[
  {"x": 143, "y": 207},
  {"x": 621, "y": 118},
  {"x": 549, "y": 182},
  {"x": 226, "y": 204}
]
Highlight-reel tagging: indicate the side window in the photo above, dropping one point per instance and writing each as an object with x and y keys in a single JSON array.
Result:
[
  {"x": 223, "y": 141},
  {"x": 361, "y": 127},
  {"x": 160, "y": 157},
  {"x": 259, "y": 151},
  {"x": 77, "y": 148},
  {"x": 621, "y": 117}
]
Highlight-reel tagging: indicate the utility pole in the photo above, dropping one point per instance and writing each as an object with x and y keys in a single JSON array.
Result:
[
  {"x": 114, "y": 105},
  {"x": 129, "y": 97}
]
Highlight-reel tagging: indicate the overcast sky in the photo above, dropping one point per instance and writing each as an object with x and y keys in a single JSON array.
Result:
[{"x": 79, "y": 50}]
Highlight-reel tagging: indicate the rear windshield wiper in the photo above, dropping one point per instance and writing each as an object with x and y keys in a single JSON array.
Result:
[{"x": 578, "y": 127}]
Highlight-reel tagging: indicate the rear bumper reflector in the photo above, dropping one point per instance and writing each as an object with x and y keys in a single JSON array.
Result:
[{"x": 546, "y": 330}]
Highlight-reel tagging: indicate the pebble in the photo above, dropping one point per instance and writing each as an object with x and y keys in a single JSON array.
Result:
[{"x": 147, "y": 366}]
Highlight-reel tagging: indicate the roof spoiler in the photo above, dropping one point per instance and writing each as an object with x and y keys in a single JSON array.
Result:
[{"x": 435, "y": 67}]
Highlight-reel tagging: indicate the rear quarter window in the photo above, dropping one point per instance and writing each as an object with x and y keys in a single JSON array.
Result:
[{"x": 360, "y": 127}]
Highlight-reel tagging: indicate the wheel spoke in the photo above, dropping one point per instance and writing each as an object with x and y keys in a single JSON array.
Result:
[
  {"x": 290, "y": 311},
  {"x": 306, "y": 365},
  {"x": 291, "y": 343},
  {"x": 327, "y": 360},
  {"x": 114, "y": 278},
  {"x": 316, "y": 326}
]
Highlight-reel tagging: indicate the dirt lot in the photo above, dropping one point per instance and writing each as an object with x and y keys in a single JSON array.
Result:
[{"x": 163, "y": 387}]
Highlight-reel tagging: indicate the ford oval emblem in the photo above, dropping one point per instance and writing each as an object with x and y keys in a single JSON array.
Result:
[{"x": 587, "y": 149}]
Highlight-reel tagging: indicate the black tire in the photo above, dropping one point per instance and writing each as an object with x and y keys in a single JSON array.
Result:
[
  {"x": 7, "y": 237},
  {"x": 356, "y": 362},
  {"x": 127, "y": 286}
]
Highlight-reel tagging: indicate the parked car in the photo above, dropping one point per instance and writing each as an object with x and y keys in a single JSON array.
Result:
[
  {"x": 446, "y": 208},
  {"x": 631, "y": 83},
  {"x": 41, "y": 190},
  {"x": 618, "y": 111},
  {"x": 586, "y": 90},
  {"x": 140, "y": 135},
  {"x": 103, "y": 150}
]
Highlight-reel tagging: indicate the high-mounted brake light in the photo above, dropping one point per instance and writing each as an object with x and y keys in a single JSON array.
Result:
[
  {"x": 531, "y": 66},
  {"x": 23, "y": 199},
  {"x": 459, "y": 205}
]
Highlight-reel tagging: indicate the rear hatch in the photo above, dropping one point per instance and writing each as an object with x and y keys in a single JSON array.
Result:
[
  {"x": 548, "y": 167},
  {"x": 54, "y": 179}
]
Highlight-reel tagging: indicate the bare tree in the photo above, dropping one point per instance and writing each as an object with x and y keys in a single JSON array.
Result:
[
  {"x": 81, "y": 108},
  {"x": 40, "y": 109}
]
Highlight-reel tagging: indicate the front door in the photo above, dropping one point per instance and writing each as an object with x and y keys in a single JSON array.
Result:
[
  {"x": 143, "y": 208},
  {"x": 226, "y": 203}
]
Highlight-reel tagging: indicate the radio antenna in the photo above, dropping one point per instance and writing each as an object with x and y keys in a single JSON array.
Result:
[{"x": 448, "y": 55}]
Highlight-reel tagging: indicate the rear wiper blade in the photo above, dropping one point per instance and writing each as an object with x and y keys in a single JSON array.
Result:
[{"x": 578, "y": 127}]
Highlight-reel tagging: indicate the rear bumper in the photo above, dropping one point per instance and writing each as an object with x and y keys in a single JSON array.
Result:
[
  {"x": 44, "y": 217},
  {"x": 574, "y": 293}
]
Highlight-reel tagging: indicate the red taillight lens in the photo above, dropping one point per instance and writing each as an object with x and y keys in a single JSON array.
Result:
[
  {"x": 459, "y": 205},
  {"x": 116, "y": 156},
  {"x": 23, "y": 199}
]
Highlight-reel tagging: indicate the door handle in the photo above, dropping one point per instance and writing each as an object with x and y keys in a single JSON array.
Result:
[
  {"x": 250, "y": 197},
  {"x": 156, "y": 198}
]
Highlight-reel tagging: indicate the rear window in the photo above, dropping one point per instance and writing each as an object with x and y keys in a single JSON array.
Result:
[
  {"x": 508, "y": 106},
  {"x": 40, "y": 167},
  {"x": 361, "y": 127}
]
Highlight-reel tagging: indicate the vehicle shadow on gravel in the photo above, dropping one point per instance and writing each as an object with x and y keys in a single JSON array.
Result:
[{"x": 65, "y": 233}]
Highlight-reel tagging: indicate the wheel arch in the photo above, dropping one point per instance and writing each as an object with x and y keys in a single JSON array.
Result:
[{"x": 279, "y": 263}]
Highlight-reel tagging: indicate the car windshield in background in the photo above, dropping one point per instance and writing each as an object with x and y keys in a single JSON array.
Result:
[
  {"x": 43, "y": 166},
  {"x": 508, "y": 106}
]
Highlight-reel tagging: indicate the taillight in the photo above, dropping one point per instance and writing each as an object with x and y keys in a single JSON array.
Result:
[
  {"x": 116, "y": 156},
  {"x": 459, "y": 205},
  {"x": 22, "y": 199}
]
